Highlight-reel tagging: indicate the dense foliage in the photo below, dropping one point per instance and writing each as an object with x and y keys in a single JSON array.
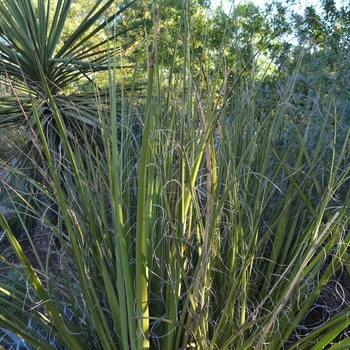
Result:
[{"x": 195, "y": 165}]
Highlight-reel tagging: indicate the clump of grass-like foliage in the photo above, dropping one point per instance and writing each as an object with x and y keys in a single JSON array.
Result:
[{"x": 211, "y": 231}]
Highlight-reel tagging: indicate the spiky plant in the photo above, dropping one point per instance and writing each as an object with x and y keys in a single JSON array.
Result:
[
  {"x": 36, "y": 58},
  {"x": 39, "y": 55}
]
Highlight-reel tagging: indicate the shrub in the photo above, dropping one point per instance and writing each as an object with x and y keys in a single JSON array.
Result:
[{"x": 206, "y": 235}]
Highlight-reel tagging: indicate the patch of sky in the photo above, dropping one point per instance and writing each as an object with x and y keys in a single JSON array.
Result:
[{"x": 299, "y": 5}]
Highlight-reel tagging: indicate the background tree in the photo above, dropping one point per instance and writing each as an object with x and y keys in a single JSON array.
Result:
[{"x": 320, "y": 37}]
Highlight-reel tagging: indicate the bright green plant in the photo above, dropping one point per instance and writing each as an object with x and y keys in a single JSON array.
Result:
[{"x": 213, "y": 233}]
